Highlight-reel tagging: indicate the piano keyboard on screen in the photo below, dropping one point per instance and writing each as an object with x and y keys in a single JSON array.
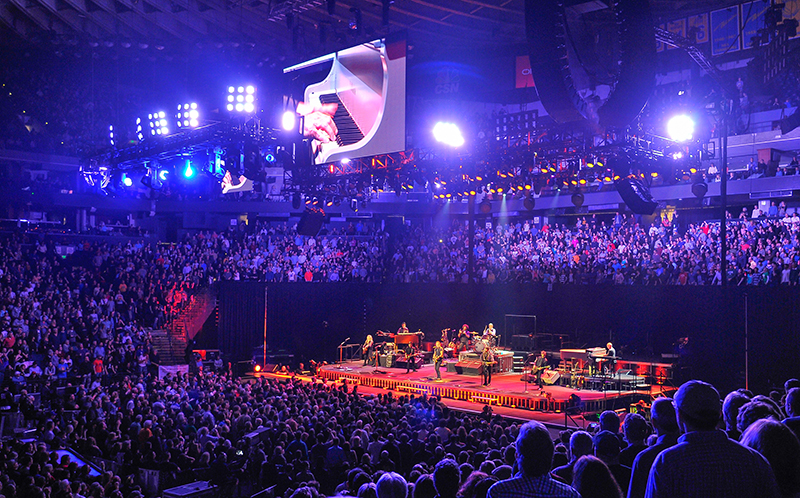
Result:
[{"x": 349, "y": 133}]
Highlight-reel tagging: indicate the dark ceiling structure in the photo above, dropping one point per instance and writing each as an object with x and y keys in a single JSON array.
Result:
[{"x": 286, "y": 27}]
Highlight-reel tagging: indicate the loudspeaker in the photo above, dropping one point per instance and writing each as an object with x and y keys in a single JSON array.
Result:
[
  {"x": 699, "y": 189},
  {"x": 550, "y": 377},
  {"x": 402, "y": 363},
  {"x": 636, "y": 196},
  {"x": 310, "y": 223},
  {"x": 270, "y": 367},
  {"x": 790, "y": 123}
]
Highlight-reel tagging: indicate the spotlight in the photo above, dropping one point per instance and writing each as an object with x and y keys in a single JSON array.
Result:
[
  {"x": 680, "y": 128},
  {"x": 242, "y": 99},
  {"x": 139, "y": 130},
  {"x": 288, "y": 120},
  {"x": 162, "y": 175},
  {"x": 577, "y": 199},
  {"x": 126, "y": 180},
  {"x": 111, "y": 135},
  {"x": 448, "y": 134},
  {"x": 485, "y": 206},
  {"x": 158, "y": 124},
  {"x": 188, "y": 116},
  {"x": 188, "y": 171}
]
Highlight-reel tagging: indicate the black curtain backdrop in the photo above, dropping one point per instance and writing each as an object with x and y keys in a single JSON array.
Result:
[
  {"x": 241, "y": 319},
  {"x": 310, "y": 320}
]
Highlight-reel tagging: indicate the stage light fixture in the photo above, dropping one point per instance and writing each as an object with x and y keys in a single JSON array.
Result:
[
  {"x": 188, "y": 171},
  {"x": 111, "y": 135},
  {"x": 139, "y": 129},
  {"x": 126, "y": 180},
  {"x": 448, "y": 134},
  {"x": 288, "y": 120},
  {"x": 241, "y": 99},
  {"x": 680, "y": 128},
  {"x": 188, "y": 116},
  {"x": 158, "y": 124},
  {"x": 162, "y": 175}
]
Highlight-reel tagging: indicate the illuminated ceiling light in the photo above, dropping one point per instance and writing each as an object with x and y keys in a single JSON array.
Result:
[
  {"x": 188, "y": 171},
  {"x": 448, "y": 134},
  {"x": 288, "y": 120},
  {"x": 680, "y": 128}
]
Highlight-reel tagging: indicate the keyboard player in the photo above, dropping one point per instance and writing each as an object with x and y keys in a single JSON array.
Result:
[{"x": 607, "y": 361}]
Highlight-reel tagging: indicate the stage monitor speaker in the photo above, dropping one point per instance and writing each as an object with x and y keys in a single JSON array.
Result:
[
  {"x": 550, "y": 377},
  {"x": 310, "y": 223},
  {"x": 468, "y": 367},
  {"x": 636, "y": 196},
  {"x": 402, "y": 363}
]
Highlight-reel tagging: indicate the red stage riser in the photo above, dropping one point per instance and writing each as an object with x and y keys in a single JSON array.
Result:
[{"x": 529, "y": 402}]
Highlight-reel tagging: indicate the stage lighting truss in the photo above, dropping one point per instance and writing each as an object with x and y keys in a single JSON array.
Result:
[
  {"x": 188, "y": 116},
  {"x": 158, "y": 124},
  {"x": 242, "y": 99}
]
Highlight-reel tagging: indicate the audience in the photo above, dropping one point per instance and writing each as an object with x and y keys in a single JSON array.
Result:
[
  {"x": 593, "y": 479},
  {"x": 534, "y": 459},
  {"x": 705, "y": 462},
  {"x": 779, "y": 445},
  {"x": 665, "y": 424}
]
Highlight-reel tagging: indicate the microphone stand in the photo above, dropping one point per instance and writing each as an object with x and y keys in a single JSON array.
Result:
[{"x": 341, "y": 346}]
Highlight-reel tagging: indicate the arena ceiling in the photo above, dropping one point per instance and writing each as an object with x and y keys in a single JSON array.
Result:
[{"x": 183, "y": 24}]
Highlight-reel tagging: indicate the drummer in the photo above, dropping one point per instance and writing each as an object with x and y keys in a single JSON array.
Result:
[{"x": 490, "y": 335}]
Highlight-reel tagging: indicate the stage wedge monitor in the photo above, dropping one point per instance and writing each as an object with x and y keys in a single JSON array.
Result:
[{"x": 357, "y": 105}]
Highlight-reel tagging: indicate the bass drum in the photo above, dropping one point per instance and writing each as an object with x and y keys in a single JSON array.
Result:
[{"x": 479, "y": 346}]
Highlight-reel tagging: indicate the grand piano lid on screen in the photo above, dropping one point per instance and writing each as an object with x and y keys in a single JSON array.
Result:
[{"x": 368, "y": 82}]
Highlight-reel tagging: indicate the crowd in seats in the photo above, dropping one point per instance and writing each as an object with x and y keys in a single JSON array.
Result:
[
  {"x": 76, "y": 359},
  {"x": 762, "y": 251},
  {"x": 306, "y": 439}
]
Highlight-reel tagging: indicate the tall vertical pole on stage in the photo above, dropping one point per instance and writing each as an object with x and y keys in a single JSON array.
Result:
[{"x": 723, "y": 198}]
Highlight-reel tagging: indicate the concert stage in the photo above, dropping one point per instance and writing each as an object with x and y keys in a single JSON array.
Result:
[{"x": 507, "y": 389}]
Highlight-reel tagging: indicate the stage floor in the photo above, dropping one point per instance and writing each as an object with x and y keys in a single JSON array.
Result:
[{"x": 506, "y": 391}]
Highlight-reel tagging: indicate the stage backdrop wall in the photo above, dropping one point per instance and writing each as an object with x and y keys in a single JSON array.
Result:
[{"x": 311, "y": 320}]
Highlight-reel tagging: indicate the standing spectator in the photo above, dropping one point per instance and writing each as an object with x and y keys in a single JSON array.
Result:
[
  {"x": 705, "y": 462},
  {"x": 593, "y": 479},
  {"x": 778, "y": 444},
  {"x": 665, "y": 423},
  {"x": 636, "y": 431},
  {"x": 580, "y": 444},
  {"x": 534, "y": 457}
]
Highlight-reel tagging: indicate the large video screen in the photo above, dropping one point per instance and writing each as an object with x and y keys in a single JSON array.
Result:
[{"x": 359, "y": 108}]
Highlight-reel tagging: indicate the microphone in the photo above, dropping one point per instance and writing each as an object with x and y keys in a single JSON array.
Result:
[{"x": 344, "y": 341}]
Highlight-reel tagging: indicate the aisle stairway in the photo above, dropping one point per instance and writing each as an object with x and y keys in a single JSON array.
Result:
[{"x": 171, "y": 348}]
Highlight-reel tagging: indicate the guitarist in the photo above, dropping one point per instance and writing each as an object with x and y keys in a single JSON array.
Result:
[
  {"x": 438, "y": 355},
  {"x": 368, "y": 350},
  {"x": 487, "y": 361},
  {"x": 540, "y": 364}
]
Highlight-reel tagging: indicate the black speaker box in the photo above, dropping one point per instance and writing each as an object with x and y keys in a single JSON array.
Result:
[
  {"x": 636, "y": 196},
  {"x": 310, "y": 223}
]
